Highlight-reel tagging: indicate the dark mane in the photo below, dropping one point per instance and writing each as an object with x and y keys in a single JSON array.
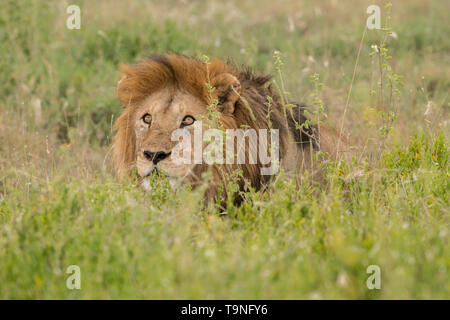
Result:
[
  {"x": 258, "y": 107},
  {"x": 304, "y": 136}
]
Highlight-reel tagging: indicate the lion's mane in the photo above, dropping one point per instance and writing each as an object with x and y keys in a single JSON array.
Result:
[{"x": 192, "y": 75}]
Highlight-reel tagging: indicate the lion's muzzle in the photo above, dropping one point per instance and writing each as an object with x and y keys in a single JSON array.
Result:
[{"x": 156, "y": 157}]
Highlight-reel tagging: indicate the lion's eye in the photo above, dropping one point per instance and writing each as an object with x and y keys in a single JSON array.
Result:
[
  {"x": 187, "y": 121},
  {"x": 147, "y": 118}
]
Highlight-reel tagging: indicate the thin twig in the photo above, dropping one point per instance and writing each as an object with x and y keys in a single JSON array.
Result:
[{"x": 350, "y": 91}]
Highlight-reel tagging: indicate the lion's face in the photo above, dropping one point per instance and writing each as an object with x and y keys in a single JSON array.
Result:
[
  {"x": 165, "y": 93},
  {"x": 155, "y": 119}
]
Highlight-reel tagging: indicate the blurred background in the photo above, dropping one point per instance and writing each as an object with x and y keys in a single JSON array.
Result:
[{"x": 61, "y": 83}]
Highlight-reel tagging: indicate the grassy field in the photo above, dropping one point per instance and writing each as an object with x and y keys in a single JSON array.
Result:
[{"x": 60, "y": 204}]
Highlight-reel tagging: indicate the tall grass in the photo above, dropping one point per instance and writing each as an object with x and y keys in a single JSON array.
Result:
[{"x": 60, "y": 204}]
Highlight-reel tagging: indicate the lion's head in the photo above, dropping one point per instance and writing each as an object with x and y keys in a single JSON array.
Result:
[
  {"x": 166, "y": 92},
  {"x": 153, "y": 122}
]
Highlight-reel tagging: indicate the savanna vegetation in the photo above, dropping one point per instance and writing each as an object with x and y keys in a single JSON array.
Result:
[{"x": 385, "y": 90}]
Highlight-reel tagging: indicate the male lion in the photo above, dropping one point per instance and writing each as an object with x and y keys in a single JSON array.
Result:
[{"x": 166, "y": 92}]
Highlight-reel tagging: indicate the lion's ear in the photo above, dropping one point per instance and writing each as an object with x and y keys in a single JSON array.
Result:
[{"x": 227, "y": 90}]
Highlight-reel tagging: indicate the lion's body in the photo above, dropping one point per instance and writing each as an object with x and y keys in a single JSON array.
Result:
[{"x": 170, "y": 86}]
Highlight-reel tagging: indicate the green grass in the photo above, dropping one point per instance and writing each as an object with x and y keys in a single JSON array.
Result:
[
  {"x": 282, "y": 244},
  {"x": 60, "y": 204}
]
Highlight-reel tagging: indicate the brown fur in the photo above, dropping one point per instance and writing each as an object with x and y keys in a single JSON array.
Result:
[{"x": 236, "y": 90}]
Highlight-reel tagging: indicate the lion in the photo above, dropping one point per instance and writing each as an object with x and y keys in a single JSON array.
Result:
[{"x": 169, "y": 92}]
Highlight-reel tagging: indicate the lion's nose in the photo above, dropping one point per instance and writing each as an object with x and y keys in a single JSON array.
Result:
[{"x": 156, "y": 157}]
